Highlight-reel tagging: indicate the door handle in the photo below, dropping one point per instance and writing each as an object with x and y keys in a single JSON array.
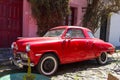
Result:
[
  {"x": 87, "y": 42},
  {"x": 64, "y": 41}
]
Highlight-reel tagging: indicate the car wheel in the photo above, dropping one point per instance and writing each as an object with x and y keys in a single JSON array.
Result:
[
  {"x": 102, "y": 59},
  {"x": 48, "y": 65}
]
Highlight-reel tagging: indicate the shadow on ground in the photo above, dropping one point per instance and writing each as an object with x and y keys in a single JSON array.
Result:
[
  {"x": 79, "y": 66},
  {"x": 67, "y": 68}
]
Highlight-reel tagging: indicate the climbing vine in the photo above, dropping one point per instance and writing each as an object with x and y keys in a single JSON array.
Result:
[
  {"x": 98, "y": 12},
  {"x": 49, "y": 13}
]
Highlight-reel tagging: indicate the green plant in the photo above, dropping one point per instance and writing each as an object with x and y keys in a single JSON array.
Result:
[
  {"x": 49, "y": 13},
  {"x": 29, "y": 76}
]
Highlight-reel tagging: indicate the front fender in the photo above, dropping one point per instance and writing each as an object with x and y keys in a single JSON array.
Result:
[{"x": 39, "y": 54}]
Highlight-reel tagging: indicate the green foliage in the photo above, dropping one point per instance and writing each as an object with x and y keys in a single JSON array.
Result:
[
  {"x": 29, "y": 76},
  {"x": 49, "y": 13},
  {"x": 98, "y": 12}
]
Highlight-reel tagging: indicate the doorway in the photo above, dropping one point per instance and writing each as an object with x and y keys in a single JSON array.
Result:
[{"x": 11, "y": 13}]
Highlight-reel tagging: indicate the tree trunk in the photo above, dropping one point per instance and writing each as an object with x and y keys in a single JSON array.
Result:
[{"x": 103, "y": 29}]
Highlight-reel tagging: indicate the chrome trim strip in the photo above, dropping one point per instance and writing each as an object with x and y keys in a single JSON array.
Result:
[
  {"x": 38, "y": 54},
  {"x": 19, "y": 63}
]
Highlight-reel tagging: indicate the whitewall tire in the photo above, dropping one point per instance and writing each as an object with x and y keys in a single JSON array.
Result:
[
  {"x": 48, "y": 65},
  {"x": 103, "y": 58}
]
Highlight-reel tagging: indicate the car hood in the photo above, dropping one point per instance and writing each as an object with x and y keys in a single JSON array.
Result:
[{"x": 24, "y": 41}]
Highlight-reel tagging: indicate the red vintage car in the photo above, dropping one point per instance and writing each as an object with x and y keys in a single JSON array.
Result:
[{"x": 61, "y": 45}]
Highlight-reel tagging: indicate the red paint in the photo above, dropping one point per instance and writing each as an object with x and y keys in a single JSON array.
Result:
[{"x": 67, "y": 49}]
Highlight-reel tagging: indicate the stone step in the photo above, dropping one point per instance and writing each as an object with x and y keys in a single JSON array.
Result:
[
  {"x": 117, "y": 47},
  {"x": 5, "y": 54},
  {"x": 112, "y": 77}
]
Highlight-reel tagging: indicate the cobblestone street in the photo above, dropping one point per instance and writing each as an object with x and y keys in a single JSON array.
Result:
[
  {"x": 86, "y": 70},
  {"x": 89, "y": 70}
]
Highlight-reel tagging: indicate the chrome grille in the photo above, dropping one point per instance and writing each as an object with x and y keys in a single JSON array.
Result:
[{"x": 22, "y": 55}]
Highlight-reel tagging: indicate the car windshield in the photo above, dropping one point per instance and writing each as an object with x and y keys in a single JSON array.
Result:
[{"x": 54, "y": 33}]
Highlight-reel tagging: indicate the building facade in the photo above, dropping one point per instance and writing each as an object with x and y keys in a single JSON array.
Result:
[
  {"x": 112, "y": 31},
  {"x": 16, "y": 19}
]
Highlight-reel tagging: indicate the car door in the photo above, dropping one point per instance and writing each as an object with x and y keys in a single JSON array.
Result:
[
  {"x": 90, "y": 46},
  {"x": 74, "y": 45}
]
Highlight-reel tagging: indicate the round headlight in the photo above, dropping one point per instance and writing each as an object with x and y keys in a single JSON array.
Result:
[
  {"x": 14, "y": 46},
  {"x": 28, "y": 47}
]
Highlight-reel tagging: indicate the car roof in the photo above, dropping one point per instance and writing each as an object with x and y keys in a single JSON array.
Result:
[{"x": 58, "y": 27}]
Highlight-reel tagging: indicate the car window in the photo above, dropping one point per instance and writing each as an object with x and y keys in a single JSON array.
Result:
[
  {"x": 90, "y": 34},
  {"x": 75, "y": 33},
  {"x": 54, "y": 33}
]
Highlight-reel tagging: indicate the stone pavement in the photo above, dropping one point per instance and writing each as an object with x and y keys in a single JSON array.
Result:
[
  {"x": 90, "y": 70},
  {"x": 86, "y": 70}
]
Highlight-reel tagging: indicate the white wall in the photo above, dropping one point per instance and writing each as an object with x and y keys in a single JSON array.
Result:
[
  {"x": 114, "y": 33},
  {"x": 97, "y": 33}
]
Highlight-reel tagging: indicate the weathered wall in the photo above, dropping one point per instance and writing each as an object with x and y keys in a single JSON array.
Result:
[
  {"x": 29, "y": 24},
  {"x": 79, "y": 4},
  {"x": 114, "y": 30}
]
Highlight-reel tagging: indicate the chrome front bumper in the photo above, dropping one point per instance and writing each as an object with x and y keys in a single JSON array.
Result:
[{"x": 20, "y": 63}]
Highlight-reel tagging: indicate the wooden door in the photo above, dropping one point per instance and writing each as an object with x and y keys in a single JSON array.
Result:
[
  {"x": 10, "y": 21},
  {"x": 71, "y": 18}
]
